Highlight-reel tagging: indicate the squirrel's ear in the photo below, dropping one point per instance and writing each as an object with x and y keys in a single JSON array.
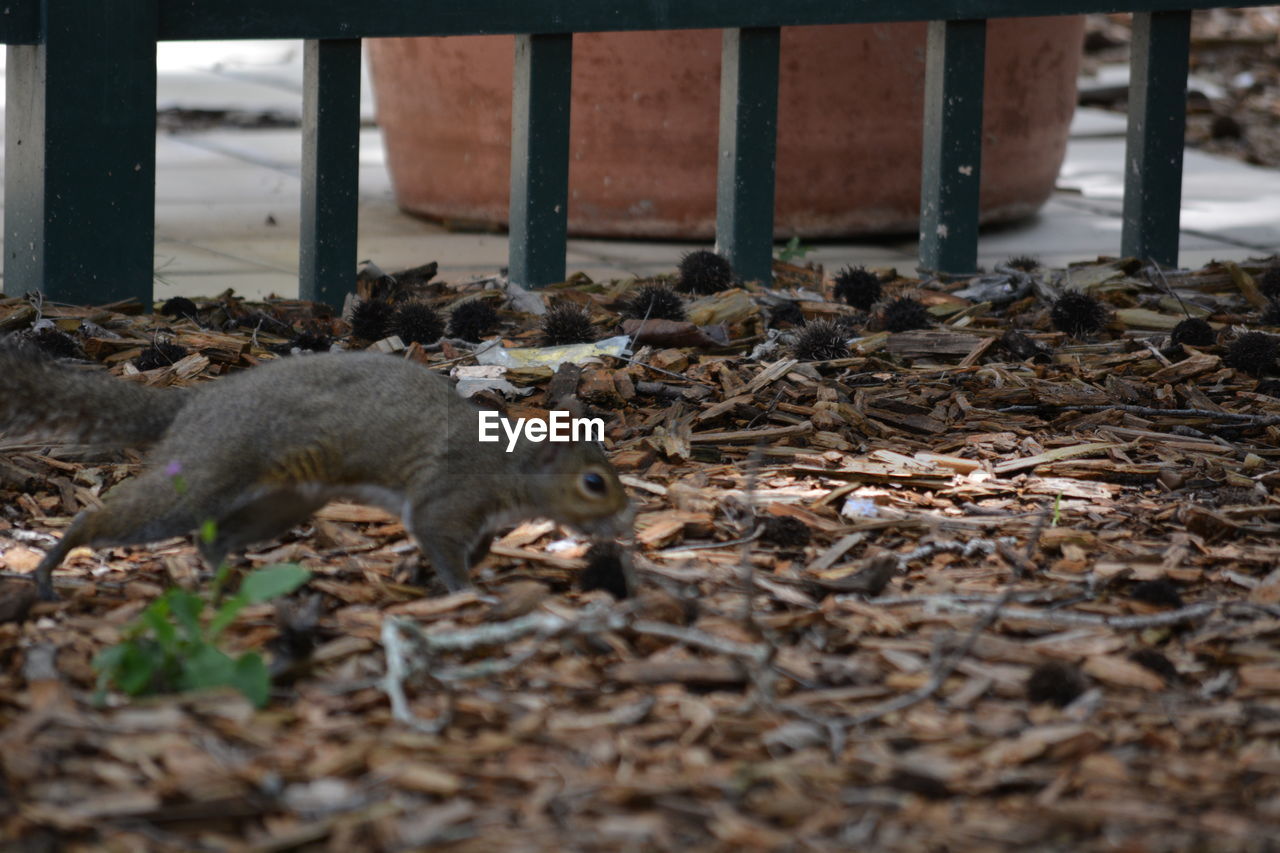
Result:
[{"x": 548, "y": 454}]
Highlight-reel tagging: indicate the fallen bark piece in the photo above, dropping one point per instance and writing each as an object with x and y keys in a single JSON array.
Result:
[{"x": 1120, "y": 672}]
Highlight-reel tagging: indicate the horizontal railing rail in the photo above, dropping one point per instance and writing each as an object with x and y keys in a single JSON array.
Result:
[
  {"x": 195, "y": 20},
  {"x": 80, "y": 123}
]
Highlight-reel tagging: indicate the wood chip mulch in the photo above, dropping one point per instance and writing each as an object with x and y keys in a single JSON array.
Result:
[{"x": 977, "y": 586}]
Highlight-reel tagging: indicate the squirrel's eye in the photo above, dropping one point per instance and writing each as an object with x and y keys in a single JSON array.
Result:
[{"x": 593, "y": 483}]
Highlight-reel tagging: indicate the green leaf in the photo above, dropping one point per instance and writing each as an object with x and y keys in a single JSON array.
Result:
[
  {"x": 226, "y": 614},
  {"x": 107, "y": 663},
  {"x": 251, "y": 678},
  {"x": 206, "y": 666},
  {"x": 156, "y": 617},
  {"x": 792, "y": 250},
  {"x": 208, "y": 531},
  {"x": 273, "y": 581},
  {"x": 186, "y": 608},
  {"x": 138, "y": 667}
]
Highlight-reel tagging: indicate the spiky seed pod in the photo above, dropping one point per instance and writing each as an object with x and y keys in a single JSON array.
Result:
[
  {"x": 785, "y": 313},
  {"x": 786, "y": 531},
  {"x": 1269, "y": 387},
  {"x": 1225, "y": 127},
  {"x": 1253, "y": 352},
  {"x": 1078, "y": 314},
  {"x": 1161, "y": 592},
  {"x": 417, "y": 323},
  {"x": 470, "y": 320},
  {"x": 904, "y": 314},
  {"x": 704, "y": 272},
  {"x": 370, "y": 319},
  {"x": 1194, "y": 332},
  {"x": 606, "y": 569},
  {"x": 1023, "y": 263},
  {"x": 179, "y": 306},
  {"x": 656, "y": 302},
  {"x": 567, "y": 323},
  {"x": 311, "y": 342},
  {"x": 820, "y": 340},
  {"x": 1269, "y": 283},
  {"x": 859, "y": 287},
  {"x": 850, "y": 324},
  {"x": 159, "y": 355},
  {"x": 55, "y": 342},
  {"x": 1157, "y": 663},
  {"x": 1055, "y": 682}
]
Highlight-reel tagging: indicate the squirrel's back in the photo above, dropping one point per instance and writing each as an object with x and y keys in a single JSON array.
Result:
[
  {"x": 334, "y": 416},
  {"x": 314, "y": 397}
]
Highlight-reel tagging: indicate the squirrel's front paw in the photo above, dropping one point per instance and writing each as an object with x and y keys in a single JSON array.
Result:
[{"x": 437, "y": 583}]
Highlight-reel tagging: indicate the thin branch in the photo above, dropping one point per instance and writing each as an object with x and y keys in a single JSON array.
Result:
[
  {"x": 1030, "y": 596},
  {"x": 400, "y": 668},
  {"x": 711, "y": 546},
  {"x": 975, "y": 604},
  {"x": 756, "y": 653}
]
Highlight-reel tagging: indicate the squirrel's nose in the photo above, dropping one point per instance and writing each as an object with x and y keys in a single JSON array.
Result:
[{"x": 620, "y": 524}]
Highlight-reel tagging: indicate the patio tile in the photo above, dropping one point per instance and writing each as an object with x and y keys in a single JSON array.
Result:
[
  {"x": 178, "y": 258},
  {"x": 250, "y": 285},
  {"x": 1089, "y": 121},
  {"x": 199, "y": 221}
]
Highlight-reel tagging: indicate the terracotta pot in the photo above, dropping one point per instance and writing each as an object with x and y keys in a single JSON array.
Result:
[{"x": 644, "y": 125}]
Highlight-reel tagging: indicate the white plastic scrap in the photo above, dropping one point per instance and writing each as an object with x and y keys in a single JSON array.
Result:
[
  {"x": 474, "y": 378},
  {"x": 859, "y": 508},
  {"x": 553, "y": 357}
]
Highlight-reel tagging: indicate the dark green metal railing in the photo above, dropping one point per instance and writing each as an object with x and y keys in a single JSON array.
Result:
[{"x": 80, "y": 123}]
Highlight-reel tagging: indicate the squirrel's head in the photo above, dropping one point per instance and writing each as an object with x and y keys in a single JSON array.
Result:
[{"x": 582, "y": 489}]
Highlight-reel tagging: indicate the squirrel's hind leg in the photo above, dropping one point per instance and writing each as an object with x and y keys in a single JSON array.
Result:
[
  {"x": 137, "y": 511},
  {"x": 74, "y": 537}
]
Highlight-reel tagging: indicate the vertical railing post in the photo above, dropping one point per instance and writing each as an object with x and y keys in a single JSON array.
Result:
[
  {"x": 540, "y": 158},
  {"x": 952, "y": 167},
  {"x": 748, "y": 146},
  {"x": 80, "y": 137},
  {"x": 330, "y": 169},
  {"x": 1157, "y": 126}
]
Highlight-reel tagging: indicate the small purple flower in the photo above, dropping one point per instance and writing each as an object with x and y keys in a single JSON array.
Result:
[{"x": 174, "y": 468}]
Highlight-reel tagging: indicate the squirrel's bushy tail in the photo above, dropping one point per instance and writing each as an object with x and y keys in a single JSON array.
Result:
[{"x": 42, "y": 398}]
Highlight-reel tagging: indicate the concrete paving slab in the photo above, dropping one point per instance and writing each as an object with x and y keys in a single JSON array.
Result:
[
  {"x": 250, "y": 285},
  {"x": 1089, "y": 121},
  {"x": 204, "y": 223},
  {"x": 179, "y": 258},
  {"x": 1231, "y": 201}
]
